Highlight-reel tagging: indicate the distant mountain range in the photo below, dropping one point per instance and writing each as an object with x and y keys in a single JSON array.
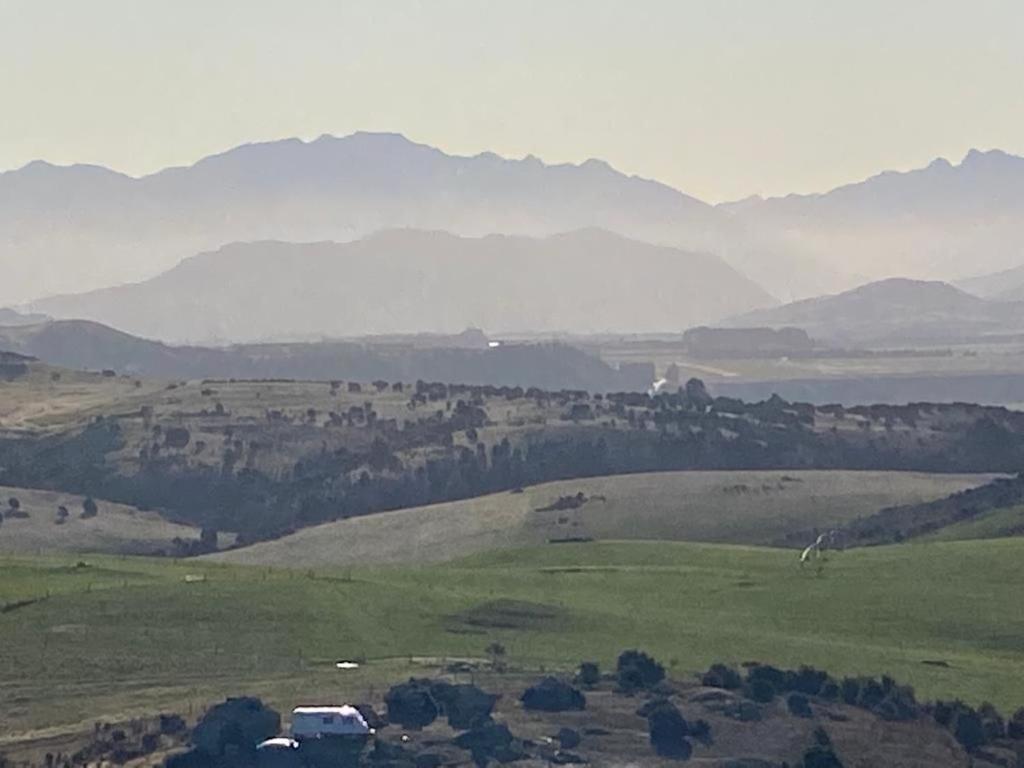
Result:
[
  {"x": 893, "y": 312},
  {"x": 466, "y": 358},
  {"x": 78, "y": 228},
  {"x": 70, "y": 229},
  {"x": 403, "y": 281},
  {"x": 944, "y": 221}
]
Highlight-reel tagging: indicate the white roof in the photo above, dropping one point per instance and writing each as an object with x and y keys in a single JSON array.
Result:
[
  {"x": 344, "y": 710},
  {"x": 279, "y": 741}
]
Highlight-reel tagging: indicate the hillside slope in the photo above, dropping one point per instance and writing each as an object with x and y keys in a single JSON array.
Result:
[
  {"x": 406, "y": 281},
  {"x": 730, "y": 507},
  {"x": 893, "y": 311},
  {"x": 116, "y": 529},
  {"x": 278, "y": 633},
  {"x": 83, "y": 344}
]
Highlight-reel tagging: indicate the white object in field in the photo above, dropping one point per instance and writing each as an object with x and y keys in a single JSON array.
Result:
[
  {"x": 278, "y": 742},
  {"x": 191, "y": 578},
  {"x": 328, "y": 721},
  {"x": 657, "y": 387},
  {"x": 347, "y": 665},
  {"x": 493, "y": 344}
]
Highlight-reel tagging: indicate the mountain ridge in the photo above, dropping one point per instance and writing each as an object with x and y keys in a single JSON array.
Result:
[
  {"x": 894, "y": 310},
  {"x": 91, "y": 227},
  {"x": 408, "y": 280}
]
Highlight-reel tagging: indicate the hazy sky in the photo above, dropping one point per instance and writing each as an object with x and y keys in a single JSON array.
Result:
[{"x": 721, "y": 98}]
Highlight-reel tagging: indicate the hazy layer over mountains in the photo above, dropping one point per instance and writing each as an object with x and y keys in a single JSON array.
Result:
[
  {"x": 70, "y": 229},
  {"x": 406, "y": 280},
  {"x": 895, "y": 311},
  {"x": 74, "y": 229},
  {"x": 942, "y": 222}
]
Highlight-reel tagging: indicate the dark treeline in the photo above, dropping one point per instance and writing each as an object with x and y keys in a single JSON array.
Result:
[{"x": 597, "y": 435}]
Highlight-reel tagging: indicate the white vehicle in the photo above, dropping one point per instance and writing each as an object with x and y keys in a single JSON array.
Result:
[{"x": 316, "y": 722}]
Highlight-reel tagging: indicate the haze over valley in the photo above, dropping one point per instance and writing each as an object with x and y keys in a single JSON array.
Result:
[{"x": 473, "y": 384}]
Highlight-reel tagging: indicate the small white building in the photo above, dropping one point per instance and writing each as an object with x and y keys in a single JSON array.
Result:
[{"x": 315, "y": 722}]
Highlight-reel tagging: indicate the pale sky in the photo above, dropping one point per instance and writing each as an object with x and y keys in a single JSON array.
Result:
[{"x": 720, "y": 98}]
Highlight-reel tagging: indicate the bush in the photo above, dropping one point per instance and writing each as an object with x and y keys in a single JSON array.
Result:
[
  {"x": 799, "y": 706},
  {"x": 668, "y": 730},
  {"x": 701, "y": 731},
  {"x": 968, "y": 729},
  {"x": 568, "y": 738},
  {"x": 553, "y": 695},
  {"x": 239, "y": 724},
  {"x": 1015, "y": 727},
  {"x": 775, "y": 678},
  {"x": 636, "y": 670},
  {"x": 465, "y": 706},
  {"x": 588, "y": 674},
  {"x": 992, "y": 722},
  {"x": 411, "y": 704},
  {"x": 821, "y": 754},
  {"x": 807, "y": 680},
  {"x": 89, "y": 508},
  {"x": 722, "y": 676},
  {"x": 760, "y": 690},
  {"x": 849, "y": 690}
]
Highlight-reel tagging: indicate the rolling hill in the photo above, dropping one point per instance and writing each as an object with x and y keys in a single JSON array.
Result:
[
  {"x": 744, "y": 507},
  {"x": 407, "y": 280},
  {"x": 116, "y": 529},
  {"x": 894, "y": 311}
]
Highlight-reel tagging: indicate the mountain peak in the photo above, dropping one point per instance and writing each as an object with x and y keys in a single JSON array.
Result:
[{"x": 989, "y": 157}]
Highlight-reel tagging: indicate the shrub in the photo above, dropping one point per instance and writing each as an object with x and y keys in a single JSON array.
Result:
[
  {"x": 176, "y": 437},
  {"x": 1015, "y": 727},
  {"x": 553, "y": 695},
  {"x": 992, "y": 722},
  {"x": 821, "y": 753},
  {"x": 89, "y": 508},
  {"x": 968, "y": 729},
  {"x": 799, "y": 706},
  {"x": 239, "y": 724},
  {"x": 722, "y": 676},
  {"x": 849, "y": 690},
  {"x": 701, "y": 731},
  {"x": 761, "y": 690},
  {"x": 636, "y": 670},
  {"x": 588, "y": 674},
  {"x": 668, "y": 730},
  {"x": 411, "y": 704},
  {"x": 807, "y": 680}
]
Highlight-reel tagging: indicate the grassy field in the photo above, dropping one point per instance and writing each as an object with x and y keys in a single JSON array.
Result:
[
  {"x": 725, "y": 507},
  {"x": 992, "y": 525},
  {"x": 118, "y": 635},
  {"x": 116, "y": 529}
]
